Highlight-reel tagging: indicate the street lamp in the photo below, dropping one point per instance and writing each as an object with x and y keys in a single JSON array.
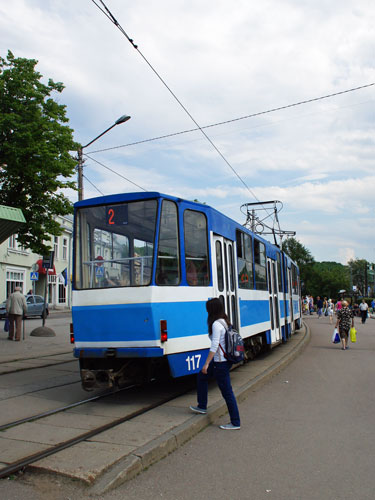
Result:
[{"x": 122, "y": 119}]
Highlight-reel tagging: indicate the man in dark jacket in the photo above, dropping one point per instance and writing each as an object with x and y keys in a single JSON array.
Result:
[{"x": 319, "y": 306}]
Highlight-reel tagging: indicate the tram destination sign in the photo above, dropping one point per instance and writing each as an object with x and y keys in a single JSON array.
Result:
[{"x": 117, "y": 215}]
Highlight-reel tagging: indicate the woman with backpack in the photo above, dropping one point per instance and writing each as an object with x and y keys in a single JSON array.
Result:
[{"x": 217, "y": 365}]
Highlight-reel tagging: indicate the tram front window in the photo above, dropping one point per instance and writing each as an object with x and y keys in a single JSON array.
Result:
[{"x": 114, "y": 245}]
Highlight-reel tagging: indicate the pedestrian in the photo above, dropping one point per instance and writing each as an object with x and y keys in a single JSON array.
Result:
[
  {"x": 345, "y": 319},
  {"x": 311, "y": 304},
  {"x": 217, "y": 365},
  {"x": 330, "y": 308},
  {"x": 319, "y": 306},
  {"x": 16, "y": 307},
  {"x": 373, "y": 305},
  {"x": 338, "y": 305},
  {"x": 363, "y": 307},
  {"x": 30, "y": 292}
]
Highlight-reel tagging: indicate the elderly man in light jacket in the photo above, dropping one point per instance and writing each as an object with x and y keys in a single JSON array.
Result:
[{"x": 16, "y": 308}]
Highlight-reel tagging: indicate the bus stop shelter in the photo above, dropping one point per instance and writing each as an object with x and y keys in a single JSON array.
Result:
[{"x": 10, "y": 221}]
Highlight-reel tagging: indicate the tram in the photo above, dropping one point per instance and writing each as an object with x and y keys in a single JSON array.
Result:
[{"x": 144, "y": 265}]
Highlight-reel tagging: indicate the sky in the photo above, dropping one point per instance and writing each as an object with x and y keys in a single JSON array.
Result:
[{"x": 222, "y": 61}]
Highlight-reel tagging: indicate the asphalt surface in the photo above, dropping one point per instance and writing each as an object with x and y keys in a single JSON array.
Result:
[{"x": 306, "y": 434}]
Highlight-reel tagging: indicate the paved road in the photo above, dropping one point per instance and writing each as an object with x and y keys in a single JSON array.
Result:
[{"x": 307, "y": 434}]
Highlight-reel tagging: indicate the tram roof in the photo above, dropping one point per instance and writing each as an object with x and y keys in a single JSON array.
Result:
[{"x": 226, "y": 223}]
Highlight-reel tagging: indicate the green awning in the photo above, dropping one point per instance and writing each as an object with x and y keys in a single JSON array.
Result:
[{"x": 10, "y": 220}]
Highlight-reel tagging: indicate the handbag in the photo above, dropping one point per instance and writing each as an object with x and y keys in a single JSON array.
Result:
[
  {"x": 336, "y": 336},
  {"x": 6, "y": 325},
  {"x": 353, "y": 334}
]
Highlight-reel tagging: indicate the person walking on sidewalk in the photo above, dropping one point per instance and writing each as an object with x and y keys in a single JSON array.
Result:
[
  {"x": 16, "y": 307},
  {"x": 363, "y": 307},
  {"x": 330, "y": 308},
  {"x": 319, "y": 306},
  {"x": 217, "y": 365},
  {"x": 345, "y": 319}
]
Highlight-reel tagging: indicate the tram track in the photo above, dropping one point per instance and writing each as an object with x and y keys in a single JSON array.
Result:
[
  {"x": 48, "y": 413},
  {"x": 26, "y": 368},
  {"x": 23, "y": 463}
]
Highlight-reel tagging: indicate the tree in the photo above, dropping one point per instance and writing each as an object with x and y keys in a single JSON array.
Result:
[
  {"x": 303, "y": 258},
  {"x": 297, "y": 252},
  {"x": 34, "y": 151},
  {"x": 327, "y": 278},
  {"x": 358, "y": 275}
]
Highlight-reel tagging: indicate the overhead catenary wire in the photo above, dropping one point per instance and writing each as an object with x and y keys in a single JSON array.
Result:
[
  {"x": 92, "y": 184},
  {"x": 245, "y": 117},
  {"x": 114, "y": 172},
  {"x": 111, "y": 17}
]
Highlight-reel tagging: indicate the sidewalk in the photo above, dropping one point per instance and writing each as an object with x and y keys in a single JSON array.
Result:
[
  {"x": 37, "y": 351},
  {"x": 111, "y": 458}
]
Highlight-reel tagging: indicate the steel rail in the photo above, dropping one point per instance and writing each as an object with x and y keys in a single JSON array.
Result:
[
  {"x": 55, "y": 410},
  {"x": 24, "y": 462}
]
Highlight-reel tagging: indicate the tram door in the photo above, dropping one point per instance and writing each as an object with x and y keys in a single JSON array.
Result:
[
  {"x": 291, "y": 300},
  {"x": 225, "y": 277},
  {"x": 274, "y": 301}
]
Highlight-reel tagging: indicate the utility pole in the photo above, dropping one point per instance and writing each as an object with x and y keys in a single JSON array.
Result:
[
  {"x": 122, "y": 119},
  {"x": 80, "y": 174}
]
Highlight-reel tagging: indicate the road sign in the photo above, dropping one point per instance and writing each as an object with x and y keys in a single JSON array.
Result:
[
  {"x": 34, "y": 276},
  {"x": 99, "y": 272},
  {"x": 48, "y": 261}
]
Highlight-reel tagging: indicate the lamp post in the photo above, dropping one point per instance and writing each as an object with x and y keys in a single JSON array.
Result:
[{"x": 122, "y": 119}]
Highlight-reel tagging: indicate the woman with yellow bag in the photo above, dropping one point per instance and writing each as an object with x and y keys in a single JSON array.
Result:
[{"x": 345, "y": 319}]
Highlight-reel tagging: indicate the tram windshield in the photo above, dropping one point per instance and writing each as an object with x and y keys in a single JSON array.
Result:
[{"x": 114, "y": 244}]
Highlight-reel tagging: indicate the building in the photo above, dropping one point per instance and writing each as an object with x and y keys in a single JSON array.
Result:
[{"x": 21, "y": 267}]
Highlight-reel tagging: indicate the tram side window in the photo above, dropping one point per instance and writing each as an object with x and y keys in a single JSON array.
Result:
[
  {"x": 294, "y": 280},
  {"x": 245, "y": 261},
  {"x": 168, "y": 264},
  {"x": 279, "y": 274},
  {"x": 196, "y": 248},
  {"x": 260, "y": 265}
]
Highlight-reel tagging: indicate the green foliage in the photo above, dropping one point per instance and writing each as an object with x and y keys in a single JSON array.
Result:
[
  {"x": 34, "y": 151},
  {"x": 327, "y": 278},
  {"x": 358, "y": 275},
  {"x": 297, "y": 252},
  {"x": 317, "y": 278}
]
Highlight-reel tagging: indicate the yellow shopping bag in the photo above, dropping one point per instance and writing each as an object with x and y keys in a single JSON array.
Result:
[{"x": 353, "y": 334}]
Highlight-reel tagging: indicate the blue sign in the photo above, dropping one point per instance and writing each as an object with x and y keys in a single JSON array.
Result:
[
  {"x": 187, "y": 363},
  {"x": 99, "y": 272},
  {"x": 34, "y": 276}
]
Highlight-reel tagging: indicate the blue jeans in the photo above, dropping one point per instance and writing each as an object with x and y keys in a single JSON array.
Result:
[{"x": 221, "y": 373}]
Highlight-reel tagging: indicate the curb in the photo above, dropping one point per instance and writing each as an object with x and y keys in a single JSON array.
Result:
[{"x": 159, "y": 448}]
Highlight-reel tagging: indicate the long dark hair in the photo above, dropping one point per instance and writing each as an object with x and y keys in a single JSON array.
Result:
[{"x": 215, "y": 311}]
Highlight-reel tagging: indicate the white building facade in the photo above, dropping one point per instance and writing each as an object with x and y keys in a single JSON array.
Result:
[{"x": 21, "y": 267}]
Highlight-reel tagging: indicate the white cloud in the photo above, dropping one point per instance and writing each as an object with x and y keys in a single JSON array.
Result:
[{"x": 222, "y": 62}]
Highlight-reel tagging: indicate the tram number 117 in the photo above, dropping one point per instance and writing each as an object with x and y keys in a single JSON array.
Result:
[{"x": 193, "y": 362}]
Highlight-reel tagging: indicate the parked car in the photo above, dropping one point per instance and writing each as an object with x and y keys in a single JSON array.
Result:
[{"x": 35, "y": 306}]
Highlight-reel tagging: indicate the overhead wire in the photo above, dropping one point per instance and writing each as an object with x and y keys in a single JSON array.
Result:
[
  {"x": 114, "y": 172},
  {"x": 111, "y": 17},
  {"x": 92, "y": 184},
  {"x": 253, "y": 115}
]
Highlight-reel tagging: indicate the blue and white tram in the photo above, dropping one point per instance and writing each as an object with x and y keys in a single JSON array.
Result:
[{"x": 144, "y": 266}]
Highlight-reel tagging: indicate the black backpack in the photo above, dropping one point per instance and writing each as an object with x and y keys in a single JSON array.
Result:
[{"x": 234, "y": 346}]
